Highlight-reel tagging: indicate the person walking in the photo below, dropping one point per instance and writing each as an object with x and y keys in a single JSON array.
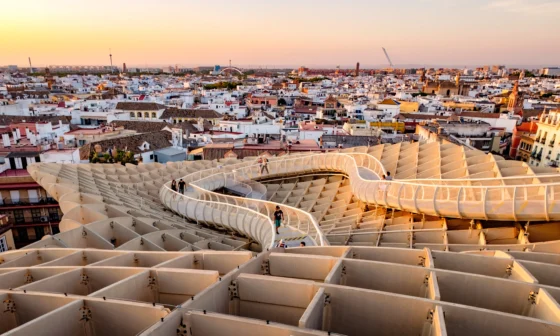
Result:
[
  {"x": 278, "y": 218},
  {"x": 389, "y": 177},
  {"x": 264, "y": 165},
  {"x": 174, "y": 185},
  {"x": 182, "y": 186}
]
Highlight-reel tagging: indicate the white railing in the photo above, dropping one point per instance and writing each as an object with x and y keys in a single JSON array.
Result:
[
  {"x": 204, "y": 182},
  {"x": 514, "y": 198}
]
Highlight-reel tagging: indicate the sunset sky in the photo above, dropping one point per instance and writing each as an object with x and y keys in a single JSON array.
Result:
[{"x": 280, "y": 33}]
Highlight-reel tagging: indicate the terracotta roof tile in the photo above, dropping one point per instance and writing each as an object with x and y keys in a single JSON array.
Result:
[
  {"x": 172, "y": 112},
  {"x": 157, "y": 140},
  {"x": 150, "y": 126}
]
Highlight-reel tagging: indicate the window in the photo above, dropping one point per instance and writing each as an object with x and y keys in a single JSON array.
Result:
[
  {"x": 18, "y": 217},
  {"x": 22, "y": 234},
  {"x": 14, "y": 195},
  {"x": 153, "y": 115},
  {"x": 3, "y": 244},
  {"x": 151, "y": 156},
  {"x": 33, "y": 196},
  {"x": 132, "y": 115},
  {"x": 36, "y": 215},
  {"x": 53, "y": 214},
  {"x": 39, "y": 232},
  {"x": 146, "y": 114}
]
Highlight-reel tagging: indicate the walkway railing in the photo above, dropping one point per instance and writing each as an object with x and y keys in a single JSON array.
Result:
[{"x": 514, "y": 198}]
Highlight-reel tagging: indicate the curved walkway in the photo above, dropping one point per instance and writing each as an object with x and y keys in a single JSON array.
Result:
[{"x": 515, "y": 199}]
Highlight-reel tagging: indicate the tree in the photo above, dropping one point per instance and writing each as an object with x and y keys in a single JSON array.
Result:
[{"x": 222, "y": 85}]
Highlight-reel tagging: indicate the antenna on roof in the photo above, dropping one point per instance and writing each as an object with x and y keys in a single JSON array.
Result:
[{"x": 111, "y": 59}]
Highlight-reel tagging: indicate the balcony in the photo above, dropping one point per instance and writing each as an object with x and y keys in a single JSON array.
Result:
[
  {"x": 551, "y": 144},
  {"x": 543, "y": 141},
  {"x": 28, "y": 202},
  {"x": 36, "y": 220},
  {"x": 538, "y": 139}
]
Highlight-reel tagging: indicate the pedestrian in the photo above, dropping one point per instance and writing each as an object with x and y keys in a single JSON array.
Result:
[
  {"x": 278, "y": 218},
  {"x": 264, "y": 165},
  {"x": 382, "y": 186},
  {"x": 281, "y": 244},
  {"x": 182, "y": 186},
  {"x": 389, "y": 177},
  {"x": 174, "y": 185},
  {"x": 302, "y": 244}
]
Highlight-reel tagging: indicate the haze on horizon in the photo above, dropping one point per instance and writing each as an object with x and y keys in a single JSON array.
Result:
[{"x": 290, "y": 33}]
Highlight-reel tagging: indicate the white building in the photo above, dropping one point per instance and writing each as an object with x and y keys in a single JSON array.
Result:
[{"x": 546, "y": 149}]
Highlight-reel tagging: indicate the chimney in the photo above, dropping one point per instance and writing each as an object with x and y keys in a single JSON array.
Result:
[
  {"x": 27, "y": 132},
  {"x": 14, "y": 134},
  {"x": 18, "y": 132},
  {"x": 60, "y": 123},
  {"x": 33, "y": 139},
  {"x": 6, "y": 139}
]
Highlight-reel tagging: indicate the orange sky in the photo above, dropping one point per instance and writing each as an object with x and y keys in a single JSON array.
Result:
[{"x": 287, "y": 33}]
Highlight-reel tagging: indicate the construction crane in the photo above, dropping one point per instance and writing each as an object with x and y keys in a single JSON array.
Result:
[{"x": 388, "y": 58}]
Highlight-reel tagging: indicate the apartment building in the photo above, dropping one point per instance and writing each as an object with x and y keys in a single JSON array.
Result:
[
  {"x": 142, "y": 111},
  {"x": 6, "y": 235},
  {"x": 546, "y": 150},
  {"x": 30, "y": 211}
]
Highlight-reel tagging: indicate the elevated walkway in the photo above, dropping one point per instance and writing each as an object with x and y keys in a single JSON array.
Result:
[{"x": 512, "y": 198}]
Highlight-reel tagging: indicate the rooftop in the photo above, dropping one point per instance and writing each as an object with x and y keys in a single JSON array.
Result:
[{"x": 132, "y": 268}]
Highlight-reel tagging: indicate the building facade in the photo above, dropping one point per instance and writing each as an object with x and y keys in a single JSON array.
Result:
[{"x": 546, "y": 150}]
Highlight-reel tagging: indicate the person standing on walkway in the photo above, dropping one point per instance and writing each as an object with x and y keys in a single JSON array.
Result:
[
  {"x": 182, "y": 186},
  {"x": 278, "y": 218},
  {"x": 264, "y": 165},
  {"x": 174, "y": 185},
  {"x": 382, "y": 188},
  {"x": 389, "y": 177}
]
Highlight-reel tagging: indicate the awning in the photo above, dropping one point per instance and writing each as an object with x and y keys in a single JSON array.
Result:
[{"x": 197, "y": 151}]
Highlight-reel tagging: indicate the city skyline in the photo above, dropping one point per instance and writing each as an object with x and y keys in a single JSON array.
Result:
[{"x": 288, "y": 34}]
